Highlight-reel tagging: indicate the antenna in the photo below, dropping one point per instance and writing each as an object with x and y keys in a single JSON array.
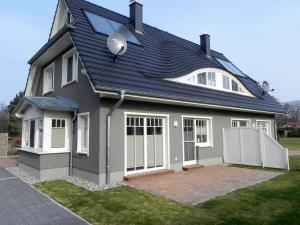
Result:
[
  {"x": 266, "y": 87},
  {"x": 117, "y": 45}
]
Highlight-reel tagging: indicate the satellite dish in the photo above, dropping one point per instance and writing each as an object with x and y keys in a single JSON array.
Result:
[
  {"x": 117, "y": 44},
  {"x": 266, "y": 86}
]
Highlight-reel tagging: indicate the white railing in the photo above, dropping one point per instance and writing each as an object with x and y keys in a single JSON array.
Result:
[{"x": 251, "y": 146}]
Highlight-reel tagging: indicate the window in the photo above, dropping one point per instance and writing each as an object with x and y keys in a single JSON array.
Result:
[
  {"x": 106, "y": 26},
  {"x": 226, "y": 82},
  {"x": 83, "y": 133},
  {"x": 58, "y": 133},
  {"x": 264, "y": 125},
  {"x": 70, "y": 67},
  {"x": 201, "y": 132},
  {"x": 211, "y": 77},
  {"x": 29, "y": 137},
  {"x": 48, "y": 84},
  {"x": 197, "y": 132},
  {"x": 240, "y": 123},
  {"x": 32, "y": 134},
  {"x": 202, "y": 79},
  {"x": 41, "y": 132},
  {"x": 235, "y": 86}
]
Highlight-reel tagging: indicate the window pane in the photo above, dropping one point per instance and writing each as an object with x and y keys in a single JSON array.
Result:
[
  {"x": 226, "y": 84},
  {"x": 32, "y": 133},
  {"x": 70, "y": 69},
  {"x": 53, "y": 123},
  {"x": 58, "y": 138},
  {"x": 211, "y": 79},
  {"x": 235, "y": 86},
  {"x": 58, "y": 122},
  {"x": 63, "y": 123},
  {"x": 202, "y": 79}
]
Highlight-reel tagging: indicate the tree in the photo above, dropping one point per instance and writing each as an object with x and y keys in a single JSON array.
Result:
[
  {"x": 14, "y": 125},
  {"x": 292, "y": 113},
  {"x": 4, "y": 117}
]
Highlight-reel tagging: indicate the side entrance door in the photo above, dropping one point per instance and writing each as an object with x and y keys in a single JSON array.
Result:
[{"x": 189, "y": 142}]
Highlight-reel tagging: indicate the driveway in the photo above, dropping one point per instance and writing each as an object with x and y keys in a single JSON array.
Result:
[
  {"x": 202, "y": 184},
  {"x": 21, "y": 204}
]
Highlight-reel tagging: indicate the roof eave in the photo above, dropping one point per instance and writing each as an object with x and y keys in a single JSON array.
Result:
[
  {"x": 130, "y": 95},
  {"x": 53, "y": 40}
]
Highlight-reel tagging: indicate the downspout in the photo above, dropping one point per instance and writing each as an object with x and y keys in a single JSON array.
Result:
[
  {"x": 108, "y": 134},
  {"x": 71, "y": 144}
]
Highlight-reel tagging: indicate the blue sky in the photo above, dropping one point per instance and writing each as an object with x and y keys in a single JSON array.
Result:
[{"x": 260, "y": 37}]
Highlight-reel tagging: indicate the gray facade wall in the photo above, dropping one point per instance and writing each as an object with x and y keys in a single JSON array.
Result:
[
  {"x": 44, "y": 161},
  {"x": 220, "y": 119},
  {"x": 88, "y": 101}
]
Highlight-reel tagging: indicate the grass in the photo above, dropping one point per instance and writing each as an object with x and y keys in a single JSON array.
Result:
[
  {"x": 276, "y": 201},
  {"x": 290, "y": 143}
]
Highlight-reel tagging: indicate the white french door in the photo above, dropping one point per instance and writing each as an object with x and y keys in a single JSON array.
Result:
[{"x": 145, "y": 144}]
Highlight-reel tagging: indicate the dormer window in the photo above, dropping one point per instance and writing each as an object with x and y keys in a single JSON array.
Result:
[{"x": 215, "y": 79}]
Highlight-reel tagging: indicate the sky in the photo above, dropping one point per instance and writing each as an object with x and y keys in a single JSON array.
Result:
[{"x": 260, "y": 37}]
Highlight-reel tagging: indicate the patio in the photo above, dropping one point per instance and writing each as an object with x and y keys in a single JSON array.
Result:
[{"x": 202, "y": 184}]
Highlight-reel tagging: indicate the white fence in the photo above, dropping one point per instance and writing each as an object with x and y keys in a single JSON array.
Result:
[{"x": 254, "y": 147}]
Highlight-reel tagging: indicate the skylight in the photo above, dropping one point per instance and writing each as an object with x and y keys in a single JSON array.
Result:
[
  {"x": 106, "y": 26},
  {"x": 230, "y": 67}
]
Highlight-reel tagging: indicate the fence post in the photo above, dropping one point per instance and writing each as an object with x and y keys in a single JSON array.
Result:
[
  {"x": 287, "y": 158},
  {"x": 224, "y": 146},
  {"x": 262, "y": 146},
  {"x": 241, "y": 145}
]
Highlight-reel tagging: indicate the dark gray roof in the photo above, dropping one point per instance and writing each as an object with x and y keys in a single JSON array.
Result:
[
  {"x": 57, "y": 104},
  {"x": 160, "y": 55}
]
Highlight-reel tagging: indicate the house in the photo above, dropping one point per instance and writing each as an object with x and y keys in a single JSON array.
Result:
[{"x": 161, "y": 105}]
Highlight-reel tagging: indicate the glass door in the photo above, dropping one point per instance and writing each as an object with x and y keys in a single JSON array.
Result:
[
  {"x": 189, "y": 142},
  {"x": 145, "y": 144}
]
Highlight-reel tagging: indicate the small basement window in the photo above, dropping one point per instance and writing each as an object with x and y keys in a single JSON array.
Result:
[
  {"x": 70, "y": 67},
  {"x": 48, "y": 79}
]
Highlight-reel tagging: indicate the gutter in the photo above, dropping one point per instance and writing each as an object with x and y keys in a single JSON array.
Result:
[
  {"x": 108, "y": 134},
  {"x": 111, "y": 93}
]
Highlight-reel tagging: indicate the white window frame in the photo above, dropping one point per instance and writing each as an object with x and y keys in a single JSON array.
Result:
[
  {"x": 192, "y": 79},
  {"x": 72, "y": 53},
  {"x": 81, "y": 150},
  {"x": 239, "y": 120},
  {"x": 46, "y": 91},
  {"x": 166, "y": 132},
  {"x": 269, "y": 132},
  {"x": 210, "y": 138}
]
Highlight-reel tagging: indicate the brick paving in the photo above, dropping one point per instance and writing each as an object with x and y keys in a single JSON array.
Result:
[
  {"x": 6, "y": 162},
  {"x": 202, "y": 184},
  {"x": 21, "y": 204}
]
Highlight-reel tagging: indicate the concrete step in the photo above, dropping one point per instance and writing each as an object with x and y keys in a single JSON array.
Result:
[
  {"x": 147, "y": 174},
  {"x": 192, "y": 167}
]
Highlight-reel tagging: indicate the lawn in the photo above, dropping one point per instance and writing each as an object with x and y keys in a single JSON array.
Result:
[
  {"x": 276, "y": 201},
  {"x": 290, "y": 143}
]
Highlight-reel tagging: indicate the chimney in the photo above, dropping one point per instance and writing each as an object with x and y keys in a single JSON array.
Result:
[
  {"x": 136, "y": 15},
  {"x": 205, "y": 44}
]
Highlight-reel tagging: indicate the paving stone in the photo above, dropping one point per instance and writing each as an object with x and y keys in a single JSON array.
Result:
[{"x": 203, "y": 184}]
